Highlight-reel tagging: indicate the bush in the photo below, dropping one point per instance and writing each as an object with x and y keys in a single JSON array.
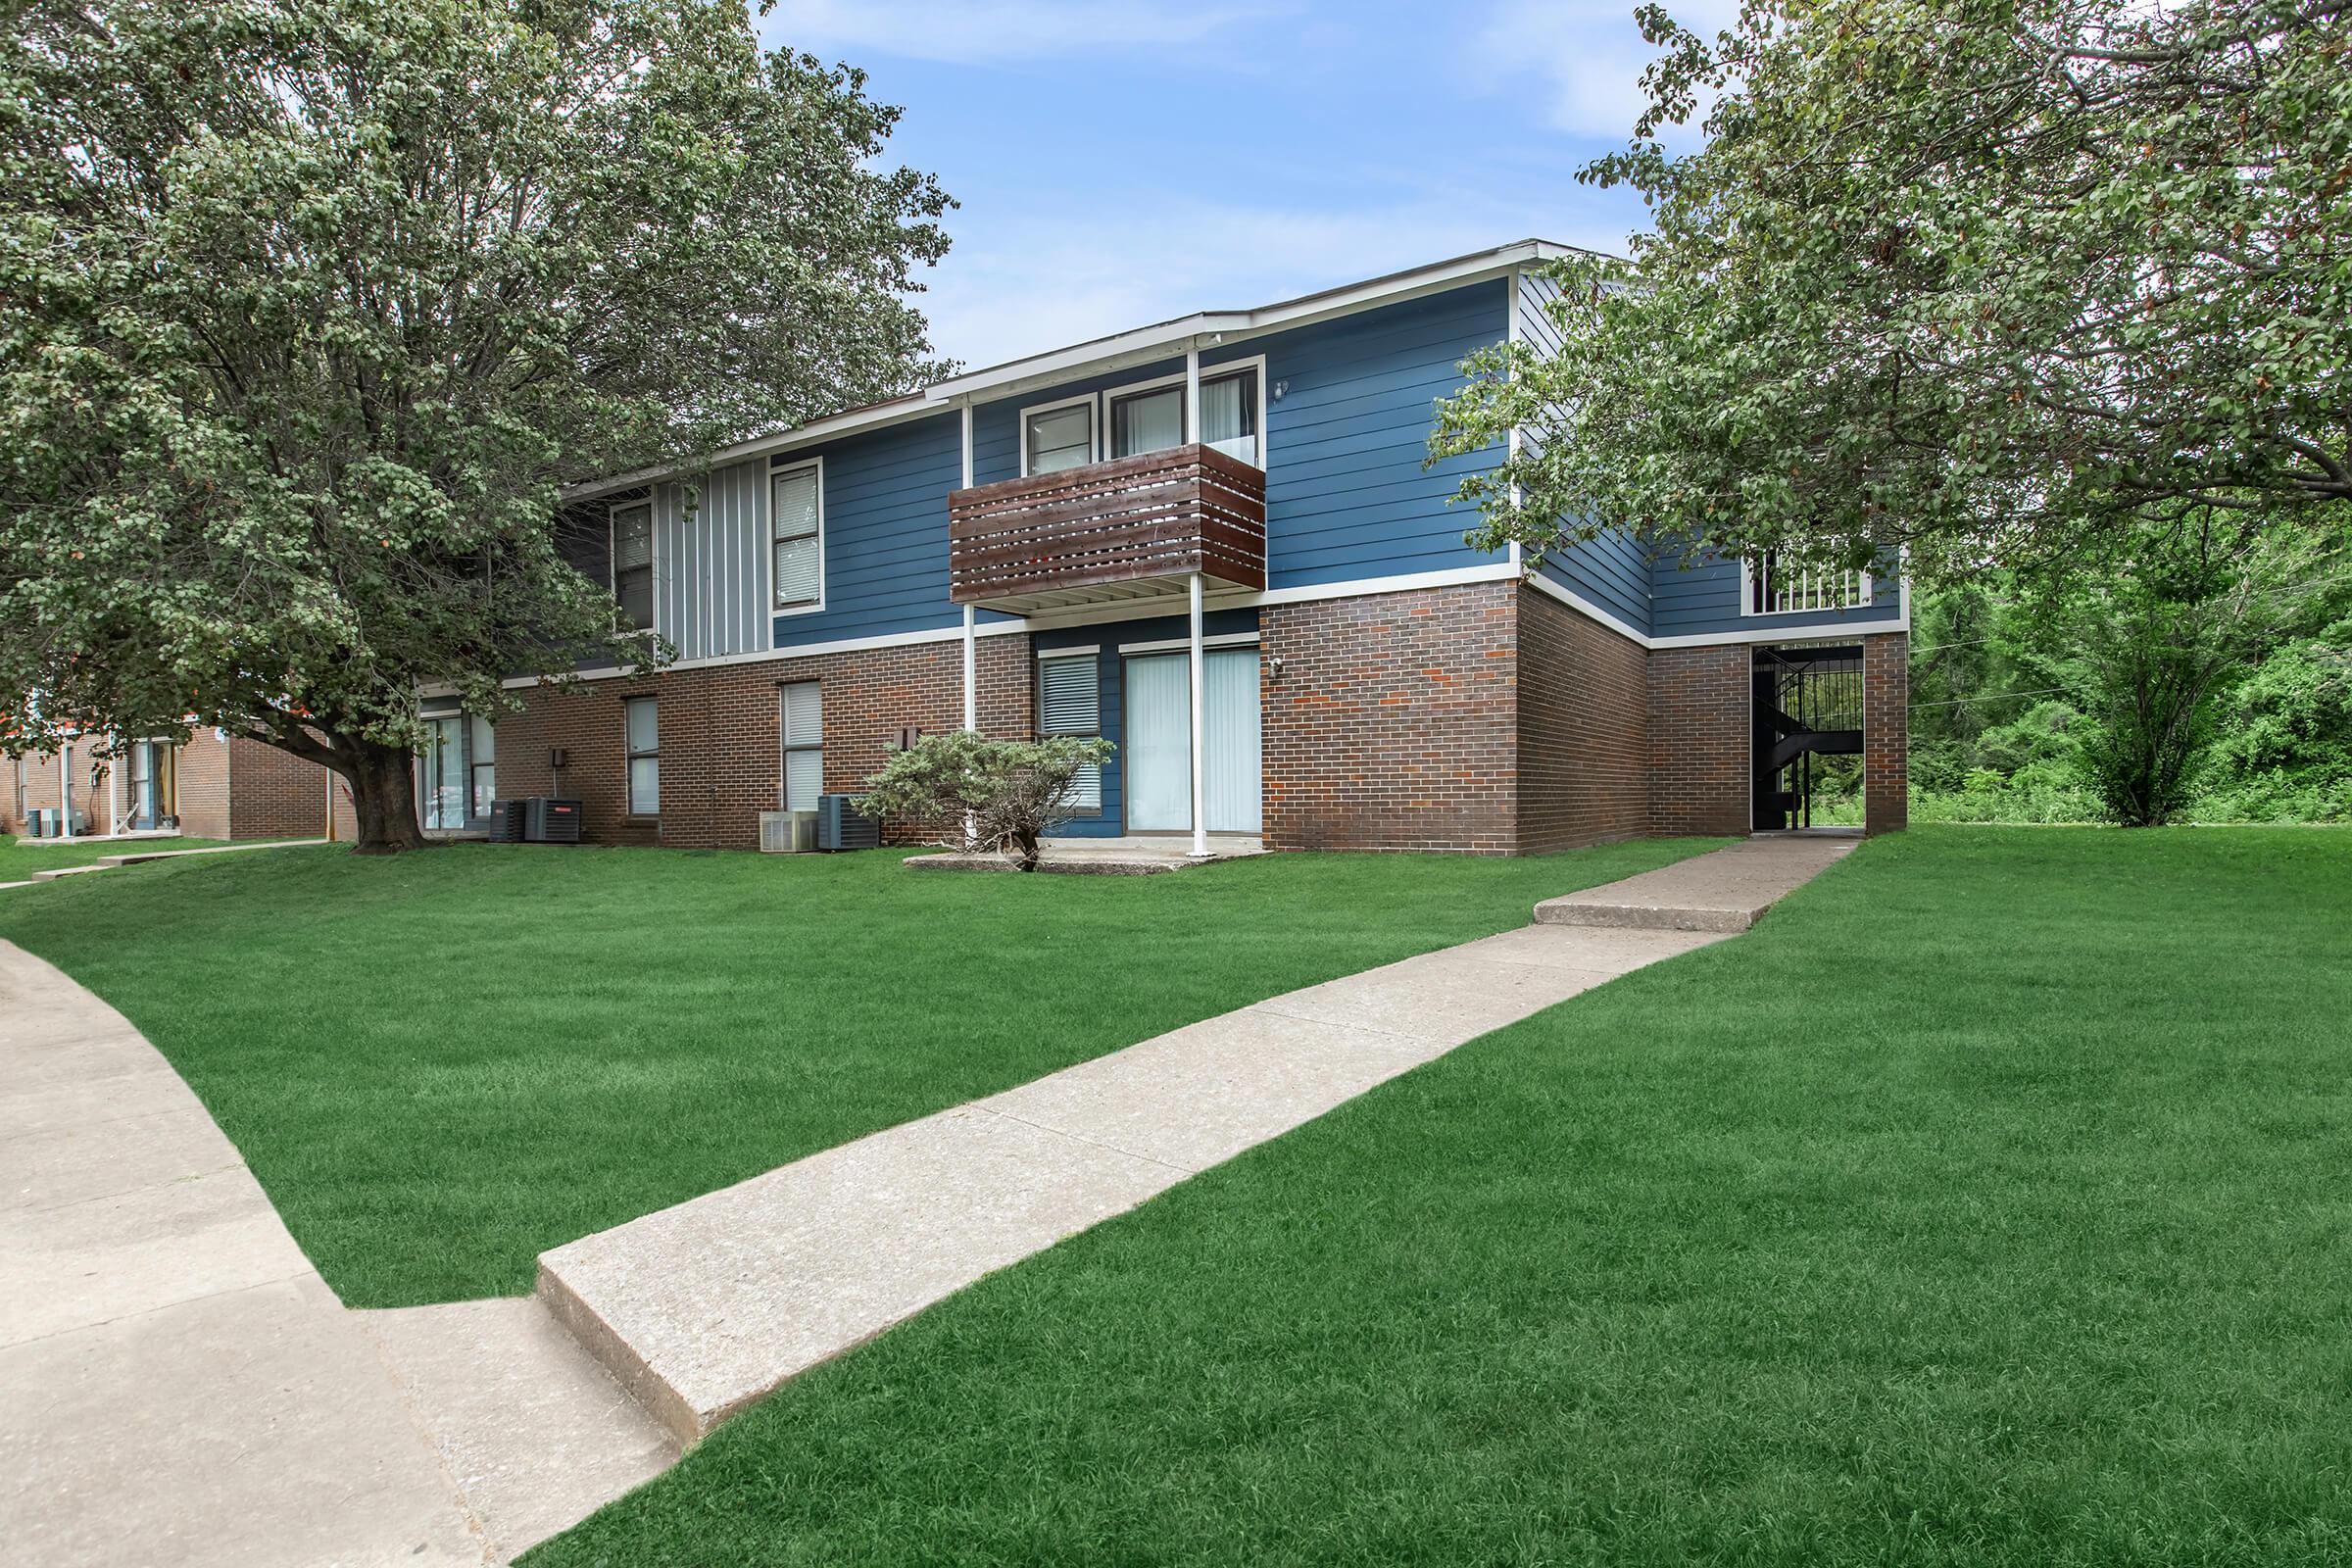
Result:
[{"x": 978, "y": 793}]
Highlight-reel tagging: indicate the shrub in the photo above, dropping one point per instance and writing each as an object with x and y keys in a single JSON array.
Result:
[{"x": 978, "y": 793}]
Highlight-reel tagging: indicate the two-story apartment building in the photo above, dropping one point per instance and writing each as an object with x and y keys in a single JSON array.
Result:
[{"x": 1215, "y": 542}]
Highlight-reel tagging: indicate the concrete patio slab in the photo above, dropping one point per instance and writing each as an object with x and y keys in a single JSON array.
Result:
[
  {"x": 1132, "y": 856},
  {"x": 537, "y": 1435},
  {"x": 1723, "y": 891}
]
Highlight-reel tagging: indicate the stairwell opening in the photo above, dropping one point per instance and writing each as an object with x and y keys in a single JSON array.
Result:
[{"x": 1807, "y": 735}]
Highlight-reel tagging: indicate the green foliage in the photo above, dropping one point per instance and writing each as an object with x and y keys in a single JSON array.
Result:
[
  {"x": 986, "y": 795},
  {"x": 308, "y": 307},
  {"x": 1991, "y": 281}
]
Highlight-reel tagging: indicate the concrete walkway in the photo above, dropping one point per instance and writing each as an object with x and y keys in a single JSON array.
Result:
[
  {"x": 178, "y": 1386},
  {"x": 703, "y": 1308},
  {"x": 110, "y": 862}
]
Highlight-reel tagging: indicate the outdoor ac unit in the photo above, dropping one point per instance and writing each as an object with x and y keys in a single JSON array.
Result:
[
  {"x": 787, "y": 832},
  {"x": 510, "y": 820},
  {"x": 550, "y": 819},
  {"x": 840, "y": 825}
]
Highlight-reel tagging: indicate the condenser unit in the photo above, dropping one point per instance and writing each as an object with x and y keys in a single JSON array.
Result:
[
  {"x": 840, "y": 825},
  {"x": 787, "y": 832},
  {"x": 550, "y": 819},
  {"x": 510, "y": 820}
]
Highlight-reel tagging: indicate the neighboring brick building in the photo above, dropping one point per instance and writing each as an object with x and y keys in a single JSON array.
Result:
[
  {"x": 208, "y": 786},
  {"x": 1236, "y": 504}
]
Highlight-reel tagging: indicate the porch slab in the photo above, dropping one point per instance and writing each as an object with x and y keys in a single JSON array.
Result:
[
  {"x": 1133, "y": 855},
  {"x": 1726, "y": 890}
]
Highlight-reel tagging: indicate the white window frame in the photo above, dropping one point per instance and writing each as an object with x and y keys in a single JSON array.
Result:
[
  {"x": 629, "y": 756},
  {"x": 1252, "y": 363},
  {"x": 775, "y": 471},
  {"x": 653, "y": 558},
  {"x": 786, "y": 746},
  {"x": 1094, "y": 425}
]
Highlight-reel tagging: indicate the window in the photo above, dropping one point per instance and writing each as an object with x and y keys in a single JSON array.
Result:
[
  {"x": 644, "y": 756},
  {"x": 633, "y": 562},
  {"x": 1057, "y": 438},
  {"x": 151, "y": 784},
  {"x": 1229, "y": 414},
  {"x": 1069, "y": 702},
  {"x": 445, "y": 772},
  {"x": 481, "y": 764},
  {"x": 798, "y": 516},
  {"x": 1147, "y": 422},
  {"x": 804, "y": 745}
]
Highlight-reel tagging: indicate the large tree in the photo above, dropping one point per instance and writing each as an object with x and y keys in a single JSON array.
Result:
[
  {"x": 308, "y": 307},
  {"x": 1988, "y": 280}
]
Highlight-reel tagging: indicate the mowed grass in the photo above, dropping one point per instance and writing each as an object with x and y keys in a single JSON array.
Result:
[
  {"x": 1988, "y": 1205},
  {"x": 19, "y": 858},
  {"x": 441, "y": 1065}
]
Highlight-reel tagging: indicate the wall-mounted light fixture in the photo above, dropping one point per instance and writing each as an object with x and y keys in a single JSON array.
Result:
[{"x": 1280, "y": 387}]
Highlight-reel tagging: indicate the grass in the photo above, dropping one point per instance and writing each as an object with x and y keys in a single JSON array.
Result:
[
  {"x": 20, "y": 857},
  {"x": 442, "y": 1065},
  {"x": 1985, "y": 1206}
]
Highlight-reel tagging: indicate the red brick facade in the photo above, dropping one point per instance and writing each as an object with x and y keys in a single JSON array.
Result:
[
  {"x": 721, "y": 733},
  {"x": 234, "y": 789},
  {"x": 200, "y": 775},
  {"x": 1702, "y": 703},
  {"x": 1390, "y": 722},
  {"x": 1584, "y": 729},
  {"x": 275, "y": 795},
  {"x": 1886, "y": 732}
]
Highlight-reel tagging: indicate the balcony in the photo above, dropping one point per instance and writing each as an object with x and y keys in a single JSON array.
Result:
[{"x": 1131, "y": 528}]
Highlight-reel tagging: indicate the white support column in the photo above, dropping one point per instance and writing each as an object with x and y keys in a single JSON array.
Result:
[
  {"x": 1200, "y": 730},
  {"x": 65, "y": 788},
  {"x": 1192, "y": 395},
  {"x": 114, "y": 792},
  {"x": 1514, "y": 331},
  {"x": 971, "y": 617}
]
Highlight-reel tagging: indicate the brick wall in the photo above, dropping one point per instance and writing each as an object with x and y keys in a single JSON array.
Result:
[
  {"x": 1701, "y": 712},
  {"x": 1390, "y": 722},
  {"x": 200, "y": 774},
  {"x": 274, "y": 794},
  {"x": 721, "y": 733},
  {"x": 42, "y": 776},
  {"x": 1886, "y": 732},
  {"x": 1584, "y": 729}
]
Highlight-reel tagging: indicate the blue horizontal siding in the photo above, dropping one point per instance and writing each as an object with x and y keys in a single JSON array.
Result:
[{"x": 1702, "y": 600}]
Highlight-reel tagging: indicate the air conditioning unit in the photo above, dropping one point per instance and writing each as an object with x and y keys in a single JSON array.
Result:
[
  {"x": 840, "y": 825},
  {"x": 510, "y": 820},
  {"x": 787, "y": 832},
  {"x": 550, "y": 819},
  {"x": 41, "y": 822}
]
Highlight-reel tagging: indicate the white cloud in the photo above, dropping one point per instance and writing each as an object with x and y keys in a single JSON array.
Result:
[
  {"x": 986, "y": 32},
  {"x": 1038, "y": 282},
  {"x": 1586, "y": 59}
]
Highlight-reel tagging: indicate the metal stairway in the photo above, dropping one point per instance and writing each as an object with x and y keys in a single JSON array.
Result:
[{"x": 1808, "y": 703}]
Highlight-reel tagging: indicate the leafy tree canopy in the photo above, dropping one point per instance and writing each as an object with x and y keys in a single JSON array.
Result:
[
  {"x": 308, "y": 306},
  {"x": 1989, "y": 280}
]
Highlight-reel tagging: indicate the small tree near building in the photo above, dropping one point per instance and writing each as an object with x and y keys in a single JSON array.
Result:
[{"x": 982, "y": 796}]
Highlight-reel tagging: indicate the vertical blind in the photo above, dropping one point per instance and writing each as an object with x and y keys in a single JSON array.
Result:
[
  {"x": 799, "y": 551},
  {"x": 1148, "y": 421},
  {"x": 1229, "y": 414},
  {"x": 1070, "y": 702},
  {"x": 804, "y": 745}
]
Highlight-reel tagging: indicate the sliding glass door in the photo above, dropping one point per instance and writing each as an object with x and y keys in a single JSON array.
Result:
[{"x": 1157, "y": 755}]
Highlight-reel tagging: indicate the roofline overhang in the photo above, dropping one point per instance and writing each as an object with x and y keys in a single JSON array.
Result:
[{"x": 1120, "y": 350}]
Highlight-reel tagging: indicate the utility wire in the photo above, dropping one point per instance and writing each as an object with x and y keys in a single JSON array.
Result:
[{"x": 1990, "y": 696}]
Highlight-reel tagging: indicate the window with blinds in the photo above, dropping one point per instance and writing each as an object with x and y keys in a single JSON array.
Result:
[
  {"x": 644, "y": 724},
  {"x": 634, "y": 562},
  {"x": 804, "y": 745},
  {"x": 799, "y": 511},
  {"x": 1069, "y": 702}
]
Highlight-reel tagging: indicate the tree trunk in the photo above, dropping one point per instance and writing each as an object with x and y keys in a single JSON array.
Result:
[{"x": 383, "y": 796}]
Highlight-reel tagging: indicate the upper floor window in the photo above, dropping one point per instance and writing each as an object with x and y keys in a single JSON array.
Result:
[
  {"x": 798, "y": 518},
  {"x": 633, "y": 562},
  {"x": 1769, "y": 586},
  {"x": 1059, "y": 438},
  {"x": 1151, "y": 418},
  {"x": 1147, "y": 422}
]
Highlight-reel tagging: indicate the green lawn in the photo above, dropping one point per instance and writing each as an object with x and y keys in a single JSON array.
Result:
[
  {"x": 1989, "y": 1203},
  {"x": 20, "y": 857},
  {"x": 442, "y": 1065}
]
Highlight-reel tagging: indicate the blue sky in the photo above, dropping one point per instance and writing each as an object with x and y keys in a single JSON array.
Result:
[{"x": 1122, "y": 163}]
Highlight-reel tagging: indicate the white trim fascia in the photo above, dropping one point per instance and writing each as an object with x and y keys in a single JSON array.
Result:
[
  {"x": 1094, "y": 427},
  {"x": 1087, "y": 652},
  {"x": 854, "y": 422},
  {"x": 1717, "y": 639},
  {"x": 1405, "y": 582},
  {"x": 768, "y": 506},
  {"x": 770, "y": 656},
  {"x": 1178, "y": 645},
  {"x": 1585, "y": 608}
]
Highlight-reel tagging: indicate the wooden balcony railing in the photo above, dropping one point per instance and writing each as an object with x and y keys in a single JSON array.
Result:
[{"x": 1124, "y": 529}]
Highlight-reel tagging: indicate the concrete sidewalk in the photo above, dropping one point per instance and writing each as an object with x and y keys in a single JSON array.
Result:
[
  {"x": 703, "y": 1308},
  {"x": 178, "y": 1386}
]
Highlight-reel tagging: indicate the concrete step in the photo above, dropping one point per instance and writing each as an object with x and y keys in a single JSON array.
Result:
[{"x": 1725, "y": 892}]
